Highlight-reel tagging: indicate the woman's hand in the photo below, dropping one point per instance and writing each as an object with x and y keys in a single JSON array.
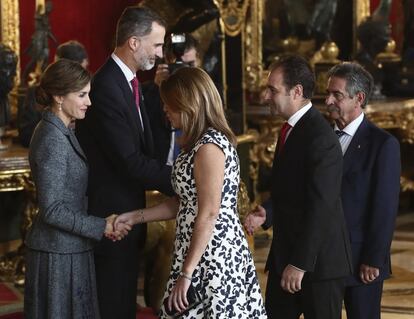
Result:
[
  {"x": 178, "y": 297},
  {"x": 115, "y": 233},
  {"x": 126, "y": 219}
]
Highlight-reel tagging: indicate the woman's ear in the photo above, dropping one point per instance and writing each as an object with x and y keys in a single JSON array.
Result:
[{"x": 58, "y": 99}]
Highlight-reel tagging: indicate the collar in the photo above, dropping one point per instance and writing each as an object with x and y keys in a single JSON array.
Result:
[
  {"x": 129, "y": 75},
  {"x": 352, "y": 127},
  {"x": 298, "y": 115},
  {"x": 50, "y": 117}
]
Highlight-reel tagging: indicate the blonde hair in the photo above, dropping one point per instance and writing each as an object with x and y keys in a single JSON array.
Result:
[{"x": 191, "y": 92}]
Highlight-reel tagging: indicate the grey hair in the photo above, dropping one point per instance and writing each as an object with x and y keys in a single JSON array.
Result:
[{"x": 357, "y": 79}]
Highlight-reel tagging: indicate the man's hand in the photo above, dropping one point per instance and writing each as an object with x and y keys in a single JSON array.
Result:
[
  {"x": 255, "y": 219},
  {"x": 292, "y": 279},
  {"x": 161, "y": 74},
  {"x": 368, "y": 273}
]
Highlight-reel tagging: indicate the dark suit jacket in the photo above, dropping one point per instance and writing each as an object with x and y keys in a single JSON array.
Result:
[
  {"x": 160, "y": 126},
  {"x": 308, "y": 223},
  {"x": 119, "y": 152},
  {"x": 370, "y": 193}
]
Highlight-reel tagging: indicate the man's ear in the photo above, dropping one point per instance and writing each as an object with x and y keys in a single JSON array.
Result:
[
  {"x": 297, "y": 91},
  {"x": 360, "y": 98},
  {"x": 134, "y": 43}
]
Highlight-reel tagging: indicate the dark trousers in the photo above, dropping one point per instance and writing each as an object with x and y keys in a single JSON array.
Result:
[
  {"x": 116, "y": 280},
  {"x": 316, "y": 300},
  {"x": 364, "y": 302}
]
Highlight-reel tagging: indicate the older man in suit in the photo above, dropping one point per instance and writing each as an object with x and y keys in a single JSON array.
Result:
[
  {"x": 370, "y": 187},
  {"x": 117, "y": 140},
  {"x": 309, "y": 257}
]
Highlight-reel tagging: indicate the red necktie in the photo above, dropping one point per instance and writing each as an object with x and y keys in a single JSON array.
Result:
[
  {"x": 283, "y": 133},
  {"x": 135, "y": 91}
]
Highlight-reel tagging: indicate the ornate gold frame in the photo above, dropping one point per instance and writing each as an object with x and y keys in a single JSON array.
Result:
[
  {"x": 254, "y": 74},
  {"x": 10, "y": 28}
]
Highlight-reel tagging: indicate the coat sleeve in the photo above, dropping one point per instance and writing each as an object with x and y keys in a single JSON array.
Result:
[
  {"x": 110, "y": 128},
  {"x": 51, "y": 172},
  {"x": 323, "y": 183},
  {"x": 384, "y": 198}
]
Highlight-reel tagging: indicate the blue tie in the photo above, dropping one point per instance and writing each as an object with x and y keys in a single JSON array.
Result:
[
  {"x": 339, "y": 133},
  {"x": 177, "y": 148}
]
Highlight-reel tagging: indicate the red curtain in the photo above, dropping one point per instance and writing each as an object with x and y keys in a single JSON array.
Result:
[{"x": 91, "y": 22}]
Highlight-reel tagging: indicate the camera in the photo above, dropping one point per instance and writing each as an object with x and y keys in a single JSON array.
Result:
[{"x": 177, "y": 43}]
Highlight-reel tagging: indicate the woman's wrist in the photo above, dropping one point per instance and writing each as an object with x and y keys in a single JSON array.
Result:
[
  {"x": 140, "y": 217},
  {"x": 186, "y": 275}
]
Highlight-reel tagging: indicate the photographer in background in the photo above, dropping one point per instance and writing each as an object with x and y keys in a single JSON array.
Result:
[{"x": 180, "y": 50}]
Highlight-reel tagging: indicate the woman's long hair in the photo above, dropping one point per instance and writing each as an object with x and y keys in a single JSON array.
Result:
[{"x": 191, "y": 92}]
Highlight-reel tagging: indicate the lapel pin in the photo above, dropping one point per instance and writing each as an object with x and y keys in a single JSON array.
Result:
[{"x": 359, "y": 146}]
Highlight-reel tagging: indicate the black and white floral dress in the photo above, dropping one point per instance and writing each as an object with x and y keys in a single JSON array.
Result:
[{"x": 226, "y": 275}]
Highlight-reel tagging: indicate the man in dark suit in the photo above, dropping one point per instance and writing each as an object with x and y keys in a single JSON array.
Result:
[
  {"x": 309, "y": 257},
  {"x": 162, "y": 131},
  {"x": 370, "y": 187},
  {"x": 117, "y": 139}
]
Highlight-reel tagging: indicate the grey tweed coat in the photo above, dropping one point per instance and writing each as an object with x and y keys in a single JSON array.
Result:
[
  {"x": 60, "y": 172},
  {"x": 60, "y": 271}
]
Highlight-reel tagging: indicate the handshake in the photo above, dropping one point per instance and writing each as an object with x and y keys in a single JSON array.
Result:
[{"x": 118, "y": 226}]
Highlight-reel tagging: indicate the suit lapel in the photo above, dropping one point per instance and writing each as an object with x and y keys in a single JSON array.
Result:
[
  {"x": 75, "y": 144},
  {"x": 149, "y": 142},
  {"x": 130, "y": 100},
  {"x": 295, "y": 133},
  {"x": 358, "y": 144}
]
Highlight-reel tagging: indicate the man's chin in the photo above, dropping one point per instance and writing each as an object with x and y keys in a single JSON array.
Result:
[{"x": 148, "y": 66}]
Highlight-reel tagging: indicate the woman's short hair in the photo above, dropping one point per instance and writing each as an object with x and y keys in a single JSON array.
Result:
[
  {"x": 60, "y": 78},
  {"x": 191, "y": 92}
]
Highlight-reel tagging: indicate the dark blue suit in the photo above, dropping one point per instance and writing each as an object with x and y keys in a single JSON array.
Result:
[{"x": 370, "y": 193}]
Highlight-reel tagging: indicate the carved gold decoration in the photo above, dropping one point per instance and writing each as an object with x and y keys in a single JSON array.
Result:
[
  {"x": 232, "y": 13},
  {"x": 10, "y": 35},
  {"x": 329, "y": 52},
  {"x": 253, "y": 74},
  {"x": 15, "y": 176},
  {"x": 389, "y": 54}
]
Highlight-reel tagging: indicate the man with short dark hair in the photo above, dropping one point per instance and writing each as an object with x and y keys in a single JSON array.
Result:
[
  {"x": 309, "y": 257},
  {"x": 370, "y": 187},
  {"x": 117, "y": 139}
]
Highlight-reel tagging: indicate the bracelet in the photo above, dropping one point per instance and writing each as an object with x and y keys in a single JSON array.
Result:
[
  {"x": 186, "y": 276},
  {"x": 141, "y": 216}
]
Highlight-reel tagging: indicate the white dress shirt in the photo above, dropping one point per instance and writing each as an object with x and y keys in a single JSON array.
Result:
[
  {"x": 296, "y": 117},
  {"x": 129, "y": 75},
  {"x": 349, "y": 131}
]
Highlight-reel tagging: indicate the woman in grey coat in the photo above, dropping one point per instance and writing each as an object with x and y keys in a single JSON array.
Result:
[{"x": 60, "y": 272}]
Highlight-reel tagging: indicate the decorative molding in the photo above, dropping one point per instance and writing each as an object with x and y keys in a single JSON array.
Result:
[
  {"x": 10, "y": 29},
  {"x": 233, "y": 15},
  {"x": 253, "y": 74}
]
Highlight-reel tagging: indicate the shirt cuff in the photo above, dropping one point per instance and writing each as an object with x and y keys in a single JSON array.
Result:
[{"x": 297, "y": 268}]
